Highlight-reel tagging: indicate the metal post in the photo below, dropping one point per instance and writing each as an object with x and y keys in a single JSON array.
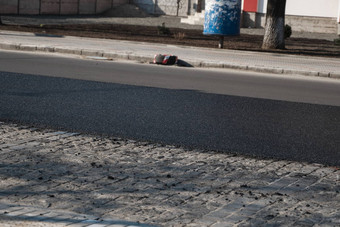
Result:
[{"x": 220, "y": 44}]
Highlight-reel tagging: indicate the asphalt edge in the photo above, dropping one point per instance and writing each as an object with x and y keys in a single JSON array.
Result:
[{"x": 146, "y": 59}]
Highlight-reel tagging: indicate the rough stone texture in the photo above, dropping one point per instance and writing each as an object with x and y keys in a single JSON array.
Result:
[
  {"x": 57, "y": 7},
  {"x": 162, "y": 7},
  {"x": 29, "y": 7},
  {"x": 69, "y": 7},
  {"x": 50, "y": 7},
  {"x": 134, "y": 181},
  {"x": 8, "y": 7},
  {"x": 87, "y": 6},
  {"x": 103, "y": 5}
]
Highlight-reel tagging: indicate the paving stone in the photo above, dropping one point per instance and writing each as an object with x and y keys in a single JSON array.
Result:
[
  {"x": 116, "y": 225},
  {"x": 134, "y": 181}
]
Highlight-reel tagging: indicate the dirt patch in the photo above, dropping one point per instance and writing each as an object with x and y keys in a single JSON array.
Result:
[{"x": 297, "y": 46}]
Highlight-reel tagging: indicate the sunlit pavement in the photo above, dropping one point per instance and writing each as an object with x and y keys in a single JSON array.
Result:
[{"x": 58, "y": 178}]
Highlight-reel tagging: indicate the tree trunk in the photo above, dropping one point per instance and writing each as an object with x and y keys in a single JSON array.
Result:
[
  {"x": 199, "y": 6},
  {"x": 275, "y": 23}
]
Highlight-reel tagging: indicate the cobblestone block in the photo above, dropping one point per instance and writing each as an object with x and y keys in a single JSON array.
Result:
[{"x": 113, "y": 178}]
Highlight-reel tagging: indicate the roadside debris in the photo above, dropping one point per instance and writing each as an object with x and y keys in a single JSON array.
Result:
[
  {"x": 165, "y": 59},
  {"x": 168, "y": 59}
]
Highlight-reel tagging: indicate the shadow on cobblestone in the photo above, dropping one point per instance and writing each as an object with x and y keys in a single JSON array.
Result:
[
  {"x": 11, "y": 215},
  {"x": 137, "y": 181}
]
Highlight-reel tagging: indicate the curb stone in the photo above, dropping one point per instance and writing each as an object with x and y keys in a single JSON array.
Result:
[
  {"x": 145, "y": 59},
  {"x": 335, "y": 75}
]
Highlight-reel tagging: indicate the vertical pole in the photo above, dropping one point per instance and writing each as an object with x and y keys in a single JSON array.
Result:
[{"x": 220, "y": 44}]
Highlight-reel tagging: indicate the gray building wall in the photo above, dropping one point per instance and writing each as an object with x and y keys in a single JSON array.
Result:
[
  {"x": 298, "y": 23},
  {"x": 57, "y": 7},
  {"x": 163, "y": 7}
]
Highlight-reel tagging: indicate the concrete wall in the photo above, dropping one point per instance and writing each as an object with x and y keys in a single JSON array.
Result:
[
  {"x": 29, "y": 6},
  {"x": 298, "y": 23},
  {"x": 48, "y": 7},
  {"x": 8, "y": 6},
  {"x": 163, "y": 7},
  {"x": 103, "y": 5},
  {"x": 315, "y": 8},
  {"x": 312, "y": 24},
  {"x": 57, "y": 7},
  {"x": 303, "y": 15},
  {"x": 69, "y": 7},
  {"x": 312, "y": 8}
]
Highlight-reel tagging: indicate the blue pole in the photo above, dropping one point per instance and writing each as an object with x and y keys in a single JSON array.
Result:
[{"x": 222, "y": 17}]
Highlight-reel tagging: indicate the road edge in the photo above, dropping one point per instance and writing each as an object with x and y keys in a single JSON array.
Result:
[{"x": 146, "y": 59}]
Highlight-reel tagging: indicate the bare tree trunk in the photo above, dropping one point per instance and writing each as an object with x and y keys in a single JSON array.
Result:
[
  {"x": 275, "y": 23},
  {"x": 199, "y": 6}
]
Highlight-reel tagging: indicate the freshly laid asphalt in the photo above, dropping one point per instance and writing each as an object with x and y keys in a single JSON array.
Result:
[{"x": 188, "y": 117}]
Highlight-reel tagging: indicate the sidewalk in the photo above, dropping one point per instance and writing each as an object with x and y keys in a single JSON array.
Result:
[
  {"x": 170, "y": 21},
  {"x": 52, "y": 178},
  {"x": 198, "y": 57}
]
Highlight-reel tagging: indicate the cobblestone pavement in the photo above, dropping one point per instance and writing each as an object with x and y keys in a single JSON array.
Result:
[
  {"x": 141, "y": 182},
  {"x": 23, "y": 216}
]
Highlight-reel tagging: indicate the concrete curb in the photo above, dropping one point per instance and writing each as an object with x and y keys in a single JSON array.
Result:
[{"x": 145, "y": 59}]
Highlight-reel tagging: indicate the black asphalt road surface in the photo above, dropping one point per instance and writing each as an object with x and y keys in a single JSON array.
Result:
[{"x": 176, "y": 106}]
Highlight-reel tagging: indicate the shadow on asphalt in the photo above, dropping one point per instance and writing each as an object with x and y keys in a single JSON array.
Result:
[{"x": 248, "y": 126}]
